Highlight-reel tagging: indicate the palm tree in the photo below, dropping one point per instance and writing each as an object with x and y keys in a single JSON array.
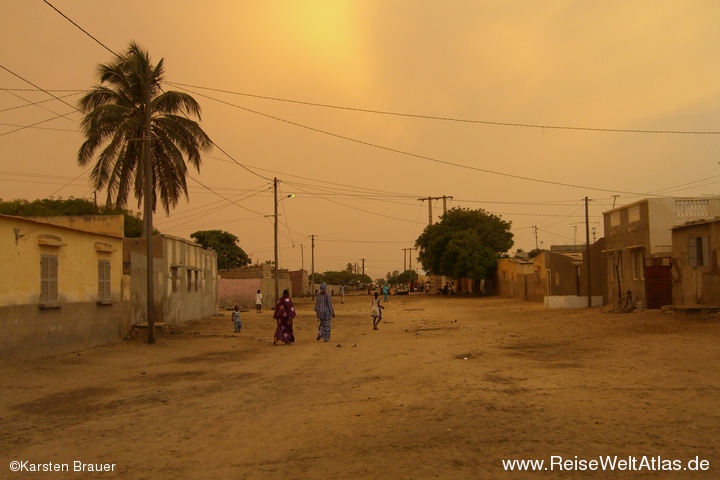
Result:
[{"x": 145, "y": 140}]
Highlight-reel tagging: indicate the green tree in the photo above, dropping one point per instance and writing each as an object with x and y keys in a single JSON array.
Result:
[
  {"x": 225, "y": 244},
  {"x": 145, "y": 138},
  {"x": 464, "y": 244},
  {"x": 343, "y": 278},
  {"x": 397, "y": 277},
  {"x": 72, "y": 206}
]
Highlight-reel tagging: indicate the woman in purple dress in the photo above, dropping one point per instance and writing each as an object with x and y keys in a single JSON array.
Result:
[{"x": 284, "y": 314}]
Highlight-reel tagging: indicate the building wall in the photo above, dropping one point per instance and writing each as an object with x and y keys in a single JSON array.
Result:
[
  {"x": 561, "y": 274},
  {"x": 549, "y": 273},
  {"x": 78, "y": 319},
  {"x": 178, "y": 297},
  {"x": 598, "y": 271},
  {"x": 30, "y": 332},
  {"x": 696, "y": 285},
  {"x": 241, "y": 292},
  {"x": 239, "y": 286},
  {"x": 514, "y": 278},
  {"x": 195, "y": 293},
  {"x": 300, "y": 283},
  {"x": 643, "y": 230}
]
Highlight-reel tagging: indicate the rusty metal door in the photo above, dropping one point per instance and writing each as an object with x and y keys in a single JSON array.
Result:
[{"x": 658, "y": 282}]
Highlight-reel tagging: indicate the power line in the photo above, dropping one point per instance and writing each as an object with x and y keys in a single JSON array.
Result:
[
  {"x": 414, "y": 155},
  {"x": 24, "y": 127},
  {"x": 30, "y": 104},
  {"x": 449, "y": 119},
  {"x": 81, "y": 29},
  {"x": 41, "y": 89}
]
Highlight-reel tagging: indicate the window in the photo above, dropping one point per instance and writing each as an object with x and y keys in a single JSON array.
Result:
[
  {"x": 634, "y": 214},
  {"x": 104, "y": 281},
  {"x": 638, "y": 265},
  {"x": 174, "y": 278},
  {"x": 197, "y": 274},
  {"x": 189, "y": 280},
  {"x": 48, "y": 279},
  {"x": 698, "y": 252},
  {"x": 615, "y": 219}
]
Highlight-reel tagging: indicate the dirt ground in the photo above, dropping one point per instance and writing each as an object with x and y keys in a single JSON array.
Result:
[{"x": 447, "y": 388}]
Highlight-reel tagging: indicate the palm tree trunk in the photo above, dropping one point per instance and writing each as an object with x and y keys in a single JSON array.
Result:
[{"x": 148, "y": 172}]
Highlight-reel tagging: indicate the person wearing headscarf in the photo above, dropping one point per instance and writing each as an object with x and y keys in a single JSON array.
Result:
[
  {"x": 284, "y": 314},
  {"x": 325, "y": 313}
]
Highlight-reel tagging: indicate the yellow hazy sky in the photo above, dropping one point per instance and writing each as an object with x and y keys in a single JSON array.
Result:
[{"x": 361, "y": 108}]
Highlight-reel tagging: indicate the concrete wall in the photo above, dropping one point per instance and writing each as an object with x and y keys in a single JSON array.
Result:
[
  {"x": 76, "y": 320},
  {"x": 196, "y": 292},
  {"x": 300, "y": 283},
  {"x": 696, "y": 285},
  {"x": 513, "y": 277},
  {"x": 598, "y": 271},
  {"x": 241, "y": 292},
  {"x": 643, "y": 229},
  {"x": 178, "y": 297},
  {"x": 560, "y": 273},
  {"x": 31, "y": 333},
  {"x": 551, "y": 273},
  {"x": 239, "y": 286},
  {"x": 572, "y": 301}
]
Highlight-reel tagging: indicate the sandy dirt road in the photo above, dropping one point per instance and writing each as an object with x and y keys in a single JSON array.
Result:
[{"x": 447, "y": 388}]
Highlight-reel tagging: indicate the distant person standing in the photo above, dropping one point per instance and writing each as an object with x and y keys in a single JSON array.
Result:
[
  {"x": 386, "y": 290},
  {"x": 236, "y": 319},
  {"x": 284, "y": 314},
  {"x": 258, "y": 301},
  {"x": 376, "y": 311},
  {"x": 325, "y": 313},
  {"x": 342, "y": 293}
]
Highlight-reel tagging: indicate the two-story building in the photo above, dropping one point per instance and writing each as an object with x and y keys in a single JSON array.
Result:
[{"x": 639, "y": 243}]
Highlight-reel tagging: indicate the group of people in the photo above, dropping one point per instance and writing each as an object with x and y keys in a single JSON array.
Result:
[{"x": 285, "y": 313}]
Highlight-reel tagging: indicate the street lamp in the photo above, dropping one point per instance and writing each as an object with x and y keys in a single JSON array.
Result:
[{"x": 277, "y": 278}]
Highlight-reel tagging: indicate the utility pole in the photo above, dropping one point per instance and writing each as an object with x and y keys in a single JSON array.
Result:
[
  {"x": 362, "y": 272},
  {"x": 536, "y": 240},
  {"x": 587, "y": 255},
  {"x": 312, "y": 275},
  {"x": 277, "y": 279},
  {"x": 445, "y": 197},
  {"x": 405, "y": 267},
  {"x": 429, "y": 200}
]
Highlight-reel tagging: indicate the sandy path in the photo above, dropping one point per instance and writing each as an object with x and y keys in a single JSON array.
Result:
[{"x": 447, "y": 388}]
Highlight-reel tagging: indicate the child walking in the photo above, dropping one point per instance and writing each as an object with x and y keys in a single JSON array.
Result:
[
  {"x": 258, "y": 301},
  {"x": 236, "y": 319},
  {"x": 376, "y": 311}
]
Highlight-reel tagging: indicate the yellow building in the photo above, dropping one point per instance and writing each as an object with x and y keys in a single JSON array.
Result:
[{"x": 62, "y": 287}]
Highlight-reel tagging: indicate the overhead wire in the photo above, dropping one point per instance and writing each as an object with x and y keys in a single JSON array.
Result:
[
  {"x": 411, "y": 116},
  {"x": 410, "y": 154},
  {"x": 81, "y": 29},
  {"x": 29, "y": 103},
  {"x": 450, "y": 119}
]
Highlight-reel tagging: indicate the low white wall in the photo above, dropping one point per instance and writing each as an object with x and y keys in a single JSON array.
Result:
[{"x": 571, "y": 301}]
